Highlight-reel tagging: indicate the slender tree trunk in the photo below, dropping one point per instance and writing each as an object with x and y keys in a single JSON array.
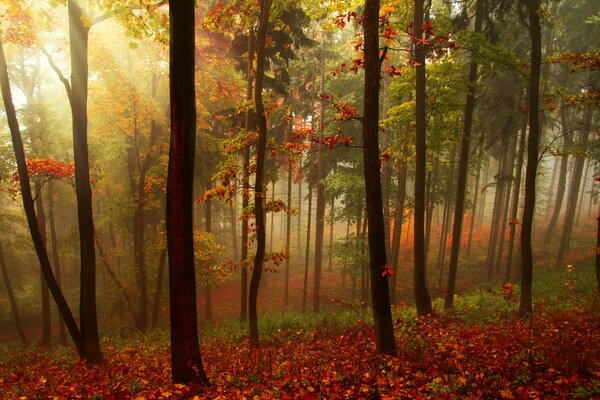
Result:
[
  {"x": 307, "y": 254},
  {"x": 331, "y": 224},
  {"x": 55, "y": 257},
  {"x": 186, "y": 360},
  {"x": 598, "y": 255},
  {"x": 422, "y": 299},
  {"x": 45, "y": 295},
  {"x": 562, "y": 176},
  {"x": 582, "y": 190},
  {"x": 265, "y": 6},
  {"x": 432, "y": 178},
  {"x": 525, "y": 306},
  {"x": 574, "y": 189},
  {"x": 481, "y": 215},
  {"x": 11, "y": 298},
  {"x": 288, "y": 232},
  {"x": 463, "y": 169},
  {"x": 399, "y": 220},
  {"x": 320, "y": 211},
  {"x": 474, "y": 208},
  {"x": 246, "y": 185},
  {"x": 445, "y": 224},
  {"x": 272, "y": 230},
  {"x": 160, "y": 277},
  {"x": 299, "y": 228},
  {"x": 78, "y": 34},
  {"x": 28, "y": 205},
  {"x": 508, "y": 173},
  {"x": 515, "y": 198},
  {"x": 208, "y": 312},
  {"x": 497, "y": 212}
]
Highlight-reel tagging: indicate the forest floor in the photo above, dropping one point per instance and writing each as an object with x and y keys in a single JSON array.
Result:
[{"x": 482, "y": 350}]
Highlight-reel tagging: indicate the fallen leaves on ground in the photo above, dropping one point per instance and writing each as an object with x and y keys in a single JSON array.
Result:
[{"x": 552, "y": 356}]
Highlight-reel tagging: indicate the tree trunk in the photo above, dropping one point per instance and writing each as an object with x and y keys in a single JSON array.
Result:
[
  {"x": 160, "y": 277},
  {"x": 562, "y": 176},
  {"x": 422, "y": 299},
  {"x": 288, "y": 232},
  {"x": 45, "y": 295},
  {"x": 574, "y": 189},
  {"x": 208, "y": 312},
  {"x": 331, "y": 225},
  {"x": 598, "y": 255},
  {"x": 509, "y": 178},
  {"x": 265, "y": 6},
  {"x": 399, "y": 220},
  {"x": 78, "y": 35},
  {"x": 246, "y": 186},
  {"x": 28, "y": 205},
  {"x": 515, "y": 198},
  {"x": 463, "y": 170},
  {"x": 525, "y": 306},
  {"x": 307, "y": 254},
  {"x": 497, "y": 212},
  {"x": 186, "y": 360},
  {"x": 55, "y": 257},
  {"x": 474, "y": 209},
  {"x": 320, "y": 211},
  {"x": 445, "y": 224},
  {"x": 11, "y": 298}
]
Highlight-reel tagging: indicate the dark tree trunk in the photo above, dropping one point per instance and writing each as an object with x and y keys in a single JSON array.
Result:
[
  {"x": 45, "y": 295},
  {"x": 380, "y": 296},
  {"x": 78, "y": 35},
  {"x": 562, "y": 176},
  {"x": 432, "y": 178},
  {"x": 445, "y": 223},
  {"x": 299, "y": 228},
  {"x": 11, "y": 298},
  {"x": 28, "y": 205},
  {"x": 272, "y": 230},
  {"x": 186, "y": 360},
  {"x": 307, "y": 254},
  {"x": 246, "y": 186},
  {"x": 160, "y": 277},
  {"x": 463, "y": 170},
  {"x": 422, "y": 299},
  {"x": 55, "y": 257},
  {"x": 259, "y": 191},
  {"x": 574, "y": 189},
  {"x": 320, "y": 211},
  {"x": 525, "y": 306},
  {"x": 515, "y": 199}
]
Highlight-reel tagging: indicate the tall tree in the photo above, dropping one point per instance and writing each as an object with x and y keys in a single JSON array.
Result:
[
  {"x": 533, "y": 9},
  {"x": 261, "y": 38},
  {"x": 380, "y": 271},
  {"x": 463, "y": 167},
  {"x": 186, "y": 360},
  {"x": 28, "y": 205},
  {"x": 422, "y": 299}
]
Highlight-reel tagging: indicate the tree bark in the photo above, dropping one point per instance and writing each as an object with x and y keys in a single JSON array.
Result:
[
  {"x": 422, "y": 299},
  {"x": 55, "y": 256},
  {"x": 288, "y": 230},
  {"x": 186, "y": 360},
  {"x": 307, "y": 253},
  {"x": 399, "y": 220},
  {"x": 525, "y": 306},
  {"x": 28, "y": 205},
  {"x": 380, "y": 296},
  {"x": 463, "y": 169},
  {"x": 574, "y": 189},
  {"x": 45, "y": 295},
  {"x": 160, "y": 277},
  {"x": 261, "y": 37},
  {"x": 562, "y": 176},
  {"x": 246, "y": 186},
  {"x": 320, "y": 211}
]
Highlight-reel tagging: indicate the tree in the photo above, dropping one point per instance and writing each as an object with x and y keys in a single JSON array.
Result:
[
  {"x": 186, "y": 360},
  {"x": 463, "y": 167},
  {"x": 259, "y": 212},
  {"x": 533, "y": 9},
  {"x": 380, "y": 297},
  {"x": 28, "y": 205},
  {"x": 422, "y": 299}
]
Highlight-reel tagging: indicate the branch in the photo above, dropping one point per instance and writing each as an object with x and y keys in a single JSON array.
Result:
[
  {"x": 59, "y": 73},
  {"x": 110, "y": 14}
]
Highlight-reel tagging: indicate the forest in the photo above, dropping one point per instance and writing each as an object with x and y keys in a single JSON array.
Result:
[{"x": 277, "y": 199}]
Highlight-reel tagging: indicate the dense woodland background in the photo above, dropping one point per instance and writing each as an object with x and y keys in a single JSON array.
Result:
[{"x": 395, "y": 200}]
